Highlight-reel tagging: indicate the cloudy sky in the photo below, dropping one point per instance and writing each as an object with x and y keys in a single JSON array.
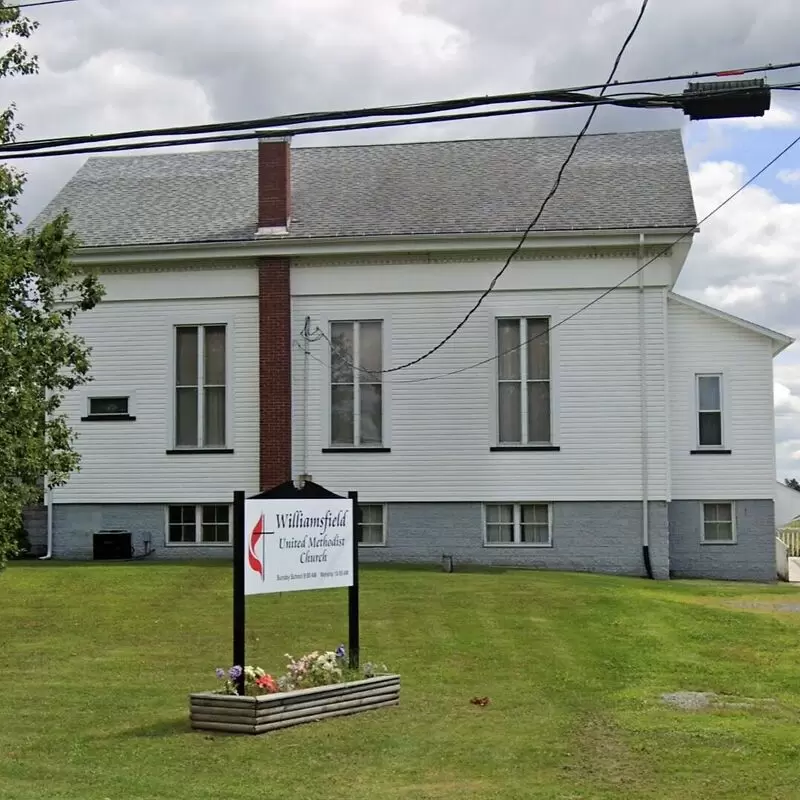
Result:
[{"x": 120, "y": 64}]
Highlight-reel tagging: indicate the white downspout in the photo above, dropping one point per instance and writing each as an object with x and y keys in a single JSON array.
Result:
[
  {"x": 644, "y": 398},
  {"x": 48, "y": 501},
  {"x": 306, "y": 370}
]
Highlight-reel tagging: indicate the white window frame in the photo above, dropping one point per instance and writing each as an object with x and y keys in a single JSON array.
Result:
[
  {"x": 101, "y": 394},
  {"x": 703, "y": 505},
  {"x": 523, "y": 379},
  {"x": 722, "y": 412},
  {"x": 382, "y": 542},
  {"x": 356, "y": 443},
  {"x": 198, "y": 522},
  {"x": 518, "y": 525},
  {"x": 125, "y": 413},
  {"x": 192, "y": 322}
]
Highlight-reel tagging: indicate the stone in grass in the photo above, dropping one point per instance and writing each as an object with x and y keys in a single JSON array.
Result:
[
  {"x": 690, "y": 701},
  {"x": 698, "y": 701}
]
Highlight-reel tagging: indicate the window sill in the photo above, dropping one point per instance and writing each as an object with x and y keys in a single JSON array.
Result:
[
  {"x": 518, "y": 545},
  {"x": 108, "y": 418},
  {"x": 371, "y": 544},
  {"x": 199, "y": 451},
  {"x": 356, "y": 449},
  {"x": 525, "y": 448},
  {"x": 716, "y": 543},
  {"x": 198, "y": 544},
  {"x": 709, "y": 452}
]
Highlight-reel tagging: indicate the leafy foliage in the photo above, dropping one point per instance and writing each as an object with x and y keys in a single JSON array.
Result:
[
  {"x": 22, "y": 543},
  {"x": 792, "y": 483},
  {"x": 41, "y": 291}
]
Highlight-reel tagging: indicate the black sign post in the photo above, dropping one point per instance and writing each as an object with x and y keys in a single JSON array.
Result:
[
  {"x": 354, "y": 643},
  {"x": 238, "y": 586},
  {"x": 287, "y": 491}
]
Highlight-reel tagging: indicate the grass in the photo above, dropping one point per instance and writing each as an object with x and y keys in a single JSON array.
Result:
[{"x": 98, "y": 661}]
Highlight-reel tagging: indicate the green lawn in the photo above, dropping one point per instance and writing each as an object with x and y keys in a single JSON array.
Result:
[{"x": 98, "y": 660}]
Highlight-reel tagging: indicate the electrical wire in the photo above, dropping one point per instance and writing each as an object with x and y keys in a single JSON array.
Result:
[
  {"x": 39, "y": 3},
  {"x": 312, "y": 118},
  {"x": 291, "y": 132},
  {"x": 549, "y": 196},
  {"x": 319, "y": 334},
  {"x": 549, "y": 95},
  {"x": 648, "y": 101}
]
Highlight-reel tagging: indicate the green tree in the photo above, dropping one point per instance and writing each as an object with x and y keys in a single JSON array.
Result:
[
  {"x": 792, "y": 483},
  {"x": 41, "y": 291}
]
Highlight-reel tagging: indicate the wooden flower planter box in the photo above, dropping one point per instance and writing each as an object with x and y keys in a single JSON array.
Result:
[{"x": 271, "y": 712}]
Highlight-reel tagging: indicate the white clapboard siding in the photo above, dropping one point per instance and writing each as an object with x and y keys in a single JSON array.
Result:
[
  {"x": 126, "y": 462},
  {"x": 700, "y": 343},
  {"x": 440, "y": 431}
]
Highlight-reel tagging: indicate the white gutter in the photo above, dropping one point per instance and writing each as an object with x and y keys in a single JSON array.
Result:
[
  {"x": 48, "y": 501},
  {"x": 365, "y": 245},
  {"x": 644, "y": 397},
  {"x": 667, "y": 394}
]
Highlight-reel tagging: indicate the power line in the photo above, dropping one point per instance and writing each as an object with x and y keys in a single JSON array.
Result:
[
  {"x": 6, "y": 154},
  {"x": 591, "y": 303},
  {"x": 647, "y": 101},
  {"x": 238, "y": 137},
  {"x": 549, "y": 95},
  {"x": 542, "y": 207},
  {"x": 438, "y": 106},
  {"x": 39, "y": 3}
]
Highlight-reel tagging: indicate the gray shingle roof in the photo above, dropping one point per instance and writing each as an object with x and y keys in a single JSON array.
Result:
[{"x": 620, "y": 180}]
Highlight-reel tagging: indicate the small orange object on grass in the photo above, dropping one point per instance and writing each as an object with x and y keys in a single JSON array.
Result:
[{"x": 480, "y": 701}]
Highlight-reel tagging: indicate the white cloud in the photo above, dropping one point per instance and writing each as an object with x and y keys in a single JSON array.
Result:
[
  {"x": 775, "y": 117},
  {"x": 789, "y": 176},
  {"x": 785, "y": 401},
  {"x": 755, "y": 231},
  {"x": 732, "y": 296}
]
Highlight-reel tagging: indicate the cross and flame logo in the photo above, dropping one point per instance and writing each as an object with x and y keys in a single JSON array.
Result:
[{"x": 256, "y": 564}]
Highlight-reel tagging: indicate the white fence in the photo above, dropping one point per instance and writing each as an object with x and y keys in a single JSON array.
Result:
[
  {"x": 791, "y": 538},
  {"x": 781, "y": 559}
]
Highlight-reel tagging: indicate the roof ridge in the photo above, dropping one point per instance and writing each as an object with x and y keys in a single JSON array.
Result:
[{"x": 495, "y": 139}]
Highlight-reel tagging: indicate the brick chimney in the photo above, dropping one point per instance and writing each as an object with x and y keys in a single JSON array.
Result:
[
  {"x": 274, "y": 316},
  {"x": 274, "y": 371},
  {"x": 274, "y": 185}
]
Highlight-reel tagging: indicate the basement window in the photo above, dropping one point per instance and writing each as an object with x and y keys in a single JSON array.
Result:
[
  {"x": 108, "y": 408},
  {"x": 521, "y": 524},
  {"x": 719, "y": 523},
  {"x": 199, "y": 525},
  {"x": 372, "y": 530}
]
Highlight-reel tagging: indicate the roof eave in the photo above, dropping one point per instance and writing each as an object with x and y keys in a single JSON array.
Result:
[
  {"x": 365, "y": 245},
  {"x": 781, "y": 340}
]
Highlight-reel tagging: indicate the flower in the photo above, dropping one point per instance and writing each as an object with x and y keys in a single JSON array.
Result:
[
  {"x": 234, "y": 673},
  {"x": 220, "y": 672},
  {"x": 267, "y": 682},
  {"x": 251, "y": 673},
  {"x": 340, "y": 651}
]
